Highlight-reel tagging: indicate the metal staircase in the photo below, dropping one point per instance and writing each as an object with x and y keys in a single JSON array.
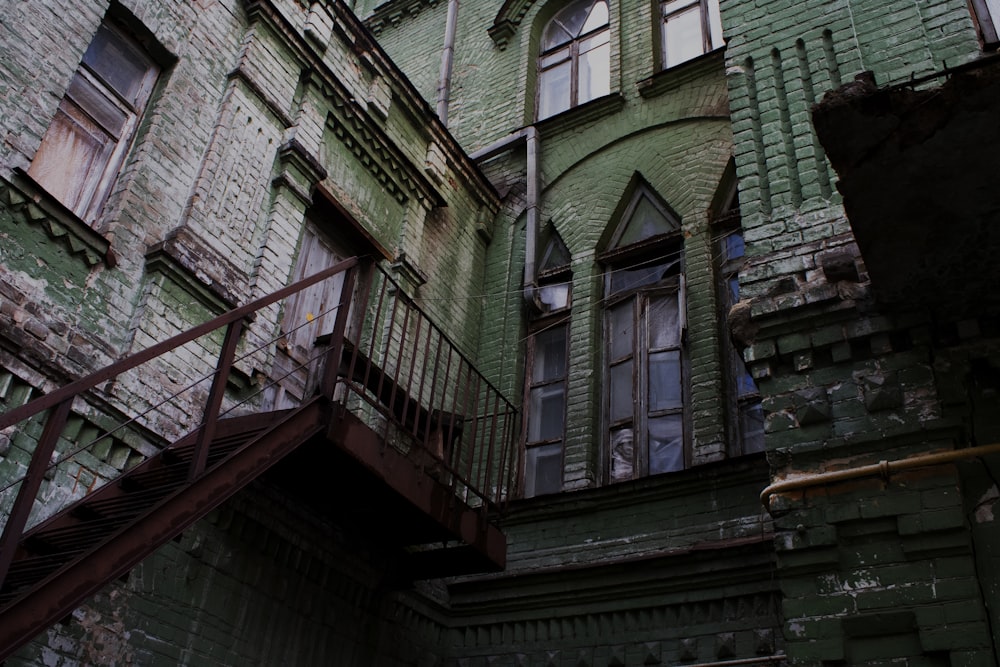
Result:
[{"x": 425, "y": 452}]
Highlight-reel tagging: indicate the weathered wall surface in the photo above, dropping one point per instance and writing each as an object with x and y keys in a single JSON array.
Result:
[
  {"x": 260, "y": 108},
  {"x": 602, "y": 573},
  {"x": 871, "y": 570}
]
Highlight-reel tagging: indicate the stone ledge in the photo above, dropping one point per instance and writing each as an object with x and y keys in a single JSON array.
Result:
[{"x": 29, "y": 203}]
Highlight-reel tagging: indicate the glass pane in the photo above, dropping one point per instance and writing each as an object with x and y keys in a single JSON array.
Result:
[
  {"x": 555, "y": 297},
  {"x": 664, "y": 327},
  {"x": 672, "y": 6},
  {"x": 595, "y": 73},
  {"x": 621, "y": 334},
  {"x": 554, "y": 90},
  {"x": 550, "y": 355},
  {"x": 598, "y": 17},
  {"x": 573, "y": 16},
  {"x": 621, "y": 391},
  {"x": 733, "y": 246},
  {"x": 666, "y": 444},
  {"x": 622, "y": 454},
  {"x": 645, "y": 221},
  {"x": 734, "y": 289},
  {"x": 119, "y": 64},
  {"x": 554, "y": 58},
  {"x": 745, "y": 386},
  {"x": 543, "y": 470},
  {"x": 72, "y": 157},
  {"x": 665, "y": 381},
  {"x": 556, "y": 255},
  {"x": 714, "y": 24},
  {"x": 97, "y": 105},
  {"x": 555, "y": 35},
  {"x": 648, "y": 273},
  {"x": 545, "y": 413},
  {"x": 682, "y": 36},
  {"x": 752, "y": 427}
]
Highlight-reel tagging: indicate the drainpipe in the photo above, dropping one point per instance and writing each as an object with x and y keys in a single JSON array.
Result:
[
  {"x": 881, "y": 469},
  {"x": 534, "y": 177},
  {"x": 530, "y": 136},
  {"x": 447, "y": 57}
]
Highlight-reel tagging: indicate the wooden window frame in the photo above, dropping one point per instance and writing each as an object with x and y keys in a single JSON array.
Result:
[
  {"x": 92, "y": 182},
  {"x": 573, "y": 47},
  {"x": 987, "y": 24},
  {"x": 708, "y": 43},
  {"x": 641, "y": 350},
  {"x": 530, "y": 384}
]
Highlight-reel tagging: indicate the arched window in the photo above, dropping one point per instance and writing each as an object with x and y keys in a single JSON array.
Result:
[{"x": 574, "y": 65}]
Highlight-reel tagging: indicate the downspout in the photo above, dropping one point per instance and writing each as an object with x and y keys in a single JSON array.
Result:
[
  {"x": 534, "y": 177},
  {"x": 530, "y": 136},
  {"x": 447, "y": 58}
]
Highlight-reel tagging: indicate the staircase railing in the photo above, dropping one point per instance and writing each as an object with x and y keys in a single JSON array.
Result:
[{"x": 384, "y": 360}]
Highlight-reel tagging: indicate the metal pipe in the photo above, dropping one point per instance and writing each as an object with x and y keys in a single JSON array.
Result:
[
  {"x": 533, "y": 175},
  {"x": 882, "y": 469},
  {"x": 531, "y": 228},
  {"x": 447, "y": 59},
  {"x": 500, "y": 145}
]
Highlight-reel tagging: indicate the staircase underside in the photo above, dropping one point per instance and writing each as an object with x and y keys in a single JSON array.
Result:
[{"x": 320, "y": 450}]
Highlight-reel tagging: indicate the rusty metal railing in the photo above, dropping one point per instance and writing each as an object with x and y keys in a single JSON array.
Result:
[
  {"x": 384, "y": 360},
  {"x": 429, "y": 395}
]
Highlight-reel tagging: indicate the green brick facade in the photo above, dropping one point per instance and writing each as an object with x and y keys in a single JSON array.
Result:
[{"x": 267, "y": 110}]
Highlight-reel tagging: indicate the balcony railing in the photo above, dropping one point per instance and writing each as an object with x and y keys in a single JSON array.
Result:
[{"x": 383, "y": 359}]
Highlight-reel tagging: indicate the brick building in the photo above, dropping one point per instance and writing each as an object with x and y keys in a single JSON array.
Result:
[{"x": 664, "y": 346}]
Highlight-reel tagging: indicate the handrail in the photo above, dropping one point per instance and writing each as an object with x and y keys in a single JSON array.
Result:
[
  {"x": 88, "y": 382},
  {"x": 448, "y": 408}
]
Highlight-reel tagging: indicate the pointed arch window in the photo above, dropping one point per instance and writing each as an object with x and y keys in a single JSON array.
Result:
[
  {"x": 644, "y": 349},
  {"x": 547, "y": 366},
  {"x": 574, "y": 65}
]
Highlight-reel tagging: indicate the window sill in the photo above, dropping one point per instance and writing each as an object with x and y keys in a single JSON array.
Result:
[
  {"x": 580, "y": 114},
  {"x": 732, "y": 472},
  {"x": 28, "y": 202},
  {"x": 684, "y": 73}
]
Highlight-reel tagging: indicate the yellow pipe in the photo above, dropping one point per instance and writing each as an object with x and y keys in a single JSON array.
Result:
[{"x": 882, "y": 468}]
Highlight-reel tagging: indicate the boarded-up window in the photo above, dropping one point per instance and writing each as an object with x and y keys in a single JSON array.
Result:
[{"x": 85, "y": 144}]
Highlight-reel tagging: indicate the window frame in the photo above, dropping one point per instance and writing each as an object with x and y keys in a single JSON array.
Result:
[
  {"x": 739, "y": 404},
  {"x": 710, "y": 24},
  {"x": 670, "y": 249},
  {"x": 987, "y": 21},
  {"x": 573, "y": 57},
  {"x": 539, "y": 328},
  {"x": 91, "y": 185}
]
